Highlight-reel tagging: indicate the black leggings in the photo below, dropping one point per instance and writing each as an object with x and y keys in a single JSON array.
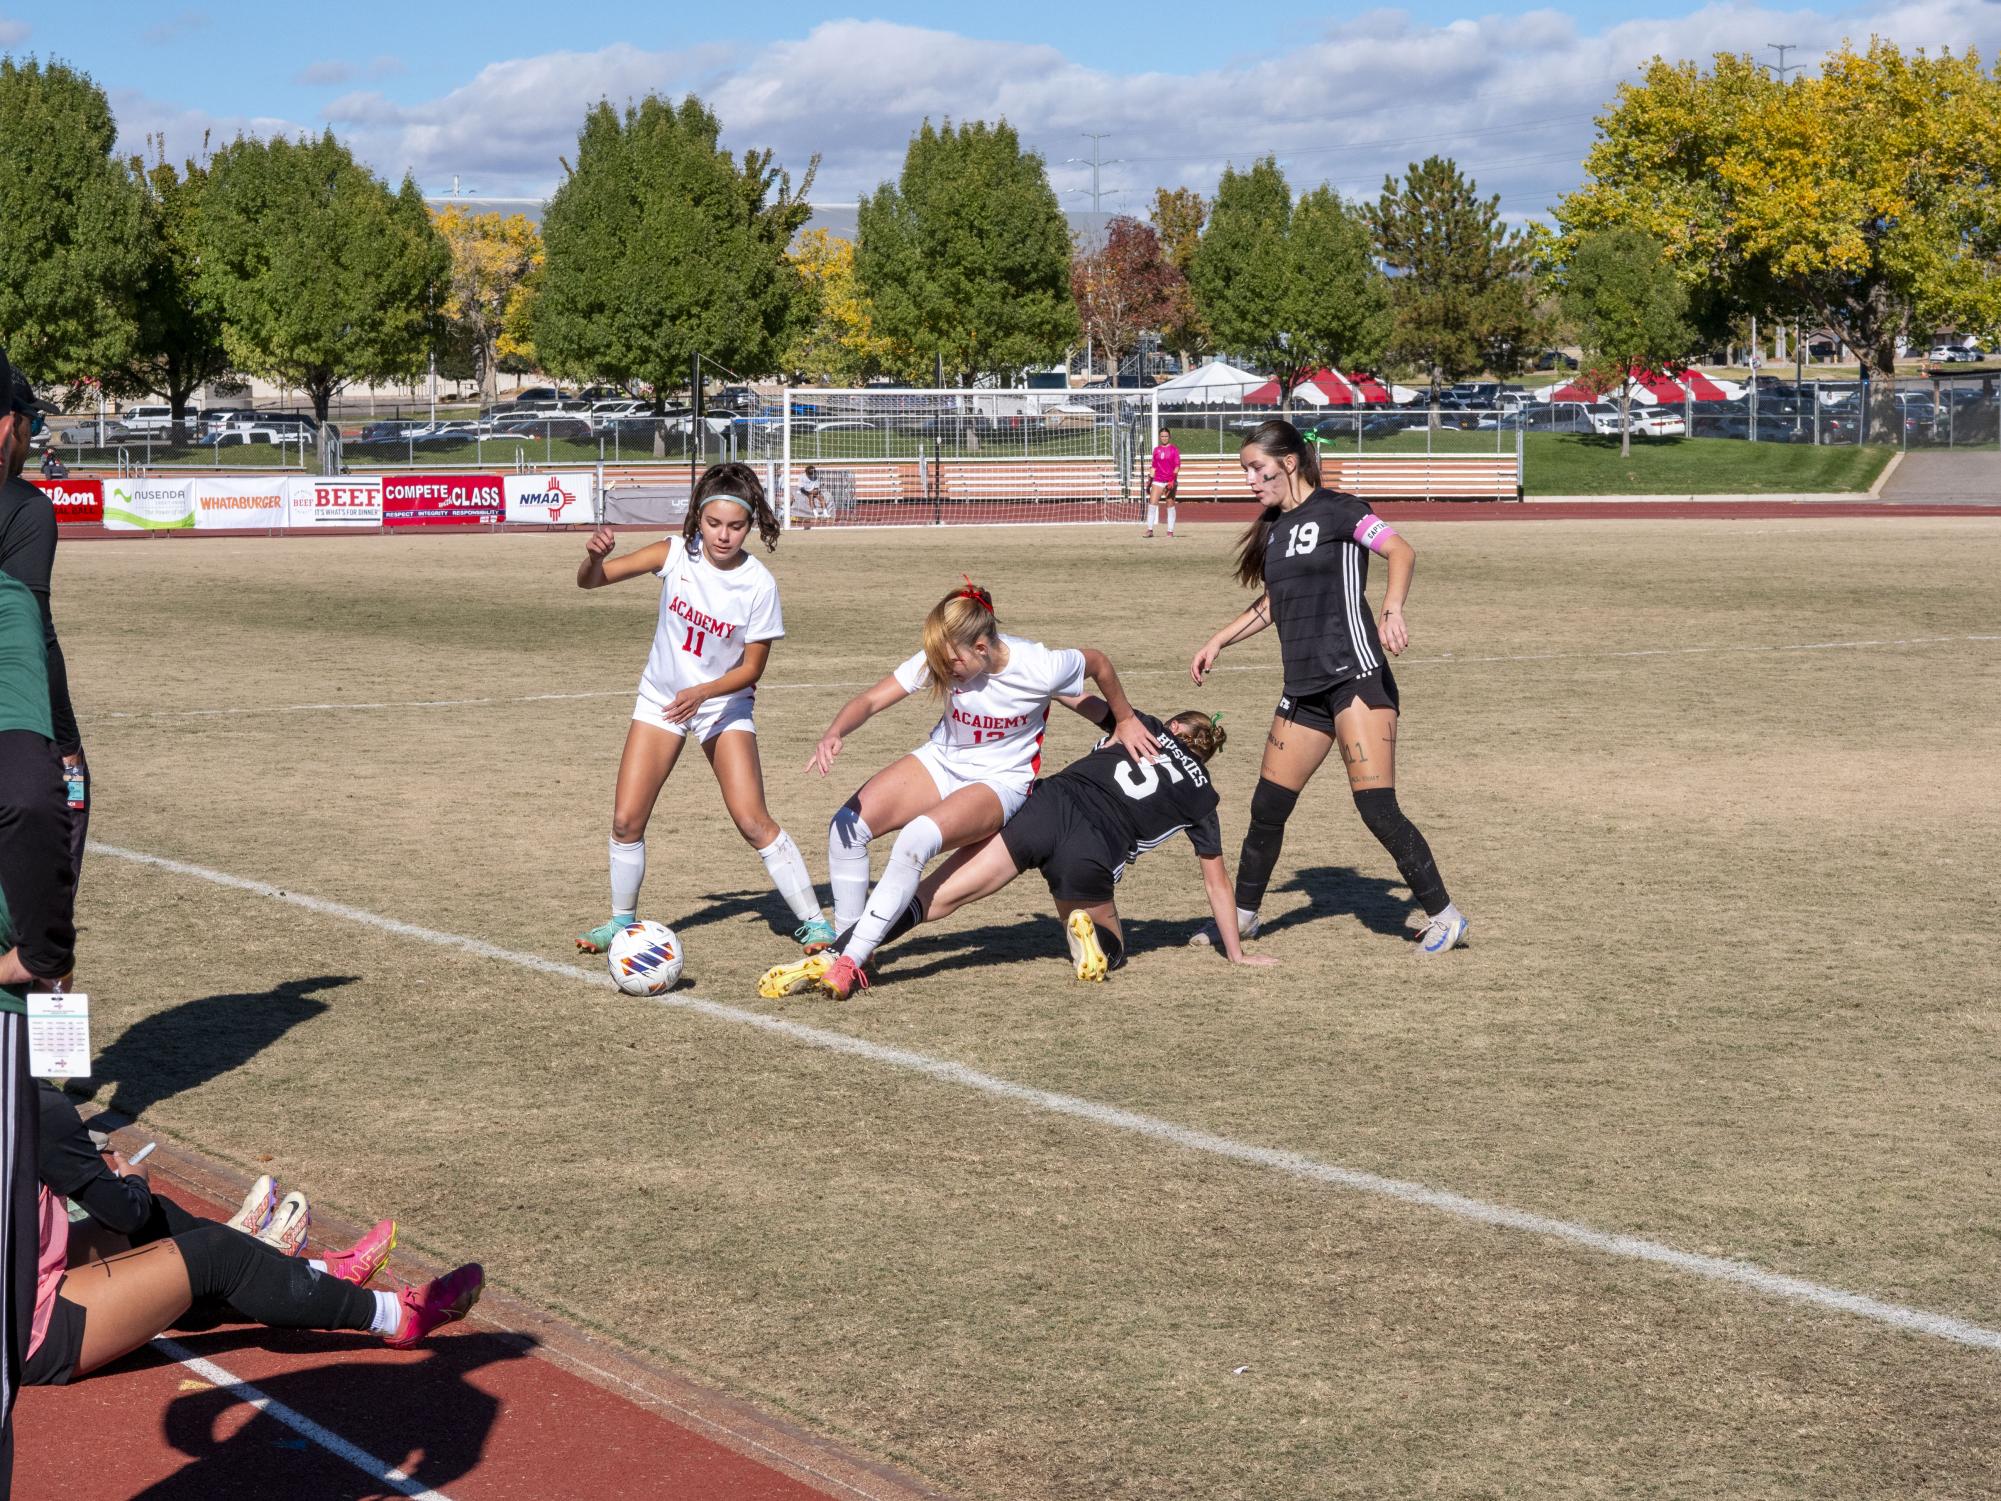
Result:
[{"x": 263, "y": 1285}]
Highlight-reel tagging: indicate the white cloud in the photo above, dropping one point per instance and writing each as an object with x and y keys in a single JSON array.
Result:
[
  {"x": 13, "y": 33},
  {"x": 1511, "y": 97},
  {"x": 327, "y": 72}
]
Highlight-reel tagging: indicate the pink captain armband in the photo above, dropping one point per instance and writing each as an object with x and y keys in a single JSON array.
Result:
[{"x": 1373, "y": 533}]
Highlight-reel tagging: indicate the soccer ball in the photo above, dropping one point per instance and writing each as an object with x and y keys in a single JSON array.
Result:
[{"x": 645, "y": 958}]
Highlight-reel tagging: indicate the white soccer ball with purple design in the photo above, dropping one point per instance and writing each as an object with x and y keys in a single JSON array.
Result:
[{"x": 645, "y": 958}]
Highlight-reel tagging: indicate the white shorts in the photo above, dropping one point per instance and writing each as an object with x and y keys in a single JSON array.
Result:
[
  {"x": 1012, "y": 788},
  {"x": 707, "y": 722}
]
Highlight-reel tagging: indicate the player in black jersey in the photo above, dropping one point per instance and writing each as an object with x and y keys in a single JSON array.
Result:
[
  {"x": 1081, "y": 828},
  {"x": 1309, "y": 549}
]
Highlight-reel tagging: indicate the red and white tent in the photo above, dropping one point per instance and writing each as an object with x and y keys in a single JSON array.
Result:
[
  {"x": 1653, "y": 390},
  {"x": 1325, "y": 388}
]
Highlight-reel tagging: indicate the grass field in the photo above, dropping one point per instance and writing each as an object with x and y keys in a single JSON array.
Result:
[{"x": 1718, "y": 796}]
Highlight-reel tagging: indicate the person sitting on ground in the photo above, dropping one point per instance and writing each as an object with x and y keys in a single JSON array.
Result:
[
  {"x": 90, "y": 1314},
  {"x": 53, "y": 466},
  {"x": 123, "y": 1211}
]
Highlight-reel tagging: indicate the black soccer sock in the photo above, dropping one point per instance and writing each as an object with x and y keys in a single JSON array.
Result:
[
  {"x": 1379, "y": 810},
  {"x": 165, "y": 1218},
  {"x": 1271, "y": 806},
  {"x": 265, "y": 1286}
]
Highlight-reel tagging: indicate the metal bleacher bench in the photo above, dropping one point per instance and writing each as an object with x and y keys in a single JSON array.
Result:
[{"x": 1387, "y": 476}]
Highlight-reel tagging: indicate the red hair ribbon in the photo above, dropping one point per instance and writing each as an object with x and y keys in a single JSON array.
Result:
[{"x": 974, "y": 592}]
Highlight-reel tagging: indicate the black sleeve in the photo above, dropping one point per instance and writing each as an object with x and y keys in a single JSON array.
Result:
[
  {"x": 35, "y": 871},
  {"x": 70, "y": 1165},
  {"x": 1207, "y": 837},
  {"x": 1351, "y": 510},
  {"x": 28, "y": 553}
]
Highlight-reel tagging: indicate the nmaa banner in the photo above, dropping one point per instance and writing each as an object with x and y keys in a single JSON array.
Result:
[{"x": 561, "y": 499}]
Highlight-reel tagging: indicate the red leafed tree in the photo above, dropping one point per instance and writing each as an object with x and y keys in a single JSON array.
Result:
[{"x": 1122, "y": 288}]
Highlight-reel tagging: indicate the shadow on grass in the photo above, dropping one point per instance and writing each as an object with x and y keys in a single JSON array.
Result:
[
  {"x": 185, "y": 1046},
  {"x": 422, "y": 1415},
  {"x": 1331, "y": 890},
  {"x": 725, "y": 905}
]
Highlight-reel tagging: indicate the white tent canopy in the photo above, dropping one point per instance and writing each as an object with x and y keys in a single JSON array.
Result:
[{"x": 1215, "y": 384}]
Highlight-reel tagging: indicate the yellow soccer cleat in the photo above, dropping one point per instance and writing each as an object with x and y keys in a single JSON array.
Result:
[
  {"x": 782, "y": 980},
  {"x": 1085, "y": 948}
]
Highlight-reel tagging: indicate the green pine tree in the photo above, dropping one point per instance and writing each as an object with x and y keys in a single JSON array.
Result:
[
  {"x": 323, "y": 276},
  {"x": 74, "y": 248},
  {"x": 966, "y": 256},
  {"x": 660, "y": 246},
  {"x": 1461, "y": 296}
]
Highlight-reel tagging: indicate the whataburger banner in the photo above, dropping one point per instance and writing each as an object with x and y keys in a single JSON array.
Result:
[
  {"x": 149, "y": 505},
  {"x": 562, "y": 499},
  {"x": 239, "y": 504},
  {"x": 335, "y": 500}
]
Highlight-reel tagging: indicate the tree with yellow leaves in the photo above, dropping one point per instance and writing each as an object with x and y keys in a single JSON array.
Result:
[
  {"x": 1869, "y": 194},
  {"x": 494, "y": 260},
  {"x": 836, "y": 341}
]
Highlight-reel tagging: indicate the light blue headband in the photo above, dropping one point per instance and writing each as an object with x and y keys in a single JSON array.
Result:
[{"x": 748, "y": 508}]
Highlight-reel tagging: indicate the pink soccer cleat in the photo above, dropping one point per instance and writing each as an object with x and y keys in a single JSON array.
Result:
[
  {"x": 361, "y": 1261},
  {"x": 442, "y": 1300},
  {"x": 843, "y": 979}
]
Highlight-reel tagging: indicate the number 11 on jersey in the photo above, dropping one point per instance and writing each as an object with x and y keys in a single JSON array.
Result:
[{"x": 695, "y": 641}]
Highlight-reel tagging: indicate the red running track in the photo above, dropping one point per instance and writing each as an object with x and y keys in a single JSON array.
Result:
[{"x": 482, "y": 1412}]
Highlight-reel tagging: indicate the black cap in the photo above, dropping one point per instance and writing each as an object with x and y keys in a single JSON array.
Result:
[{"x": 23, "y": 395}]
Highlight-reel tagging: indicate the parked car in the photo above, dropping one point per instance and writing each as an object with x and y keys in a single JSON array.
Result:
[
  {"x": 385, "y": 432},
  {"x": 536, "y": 396},
  {"x": 550, "y": 425},
  {"x": 1648, "y": 422},
  {"x": 147, "y": 419},
  {"x": 1953, "y": 354},
  {"x": 270, "y": 427}
]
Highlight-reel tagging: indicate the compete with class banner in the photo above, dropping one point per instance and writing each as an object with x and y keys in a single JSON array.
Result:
[
  {"x": 563, "y": 499},
  {"x": 240, "y": 504},
  {"x": 80, "y": 500},
  {"x": 334, "y": 500},
  {"x": 149, "y": 505},
  {"x": 442, "y": 499}
]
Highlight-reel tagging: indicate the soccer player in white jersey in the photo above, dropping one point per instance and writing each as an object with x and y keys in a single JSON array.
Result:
[
  {"x": 964, "y": 783},
  {"x": 719, "y": 614}
]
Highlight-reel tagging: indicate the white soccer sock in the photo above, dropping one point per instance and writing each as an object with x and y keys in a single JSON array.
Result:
[
  {"x": 1170, "y": 518},
  {"x": 787, "y": 869},
  {"x": 388, "y": 1313},
  {"x": 848, "y": 837},
  {"x": 1152, "y": 515},
  {"x": 915, "y": 845},
  {"x": 628, "y": 870}
]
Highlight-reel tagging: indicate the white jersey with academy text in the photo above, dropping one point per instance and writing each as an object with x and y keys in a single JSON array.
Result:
[
  {"x": 993, "y": 724},
  {"x": 707, "y": 617}
]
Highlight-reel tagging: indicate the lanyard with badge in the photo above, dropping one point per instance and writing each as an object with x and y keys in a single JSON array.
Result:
[{"x": 58, "y": 1034}]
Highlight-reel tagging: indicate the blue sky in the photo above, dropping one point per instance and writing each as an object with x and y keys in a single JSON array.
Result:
[{"x": 492, "y": 94}]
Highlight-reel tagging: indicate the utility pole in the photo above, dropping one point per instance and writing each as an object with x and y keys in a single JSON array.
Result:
[
  {"x": 1780, "y": 68},
  {"x": 1097, "y": 163}
]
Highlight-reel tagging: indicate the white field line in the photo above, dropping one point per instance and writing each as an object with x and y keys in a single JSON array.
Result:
[
  {"x": 1450, "y": 659},
  {"x": 1631, "y": 1247},
  {"x": 380, "y": 1471}
]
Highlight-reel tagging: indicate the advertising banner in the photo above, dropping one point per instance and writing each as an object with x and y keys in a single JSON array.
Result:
[
  {"x": 149, "y": 505},
  {"x": 442, "y": 499},
  {"x": 237, "y": 504},
  {"x": 75, "y": 499},
  {"x": 334, "y": 500},
  {"x": 562, "y": 499}
]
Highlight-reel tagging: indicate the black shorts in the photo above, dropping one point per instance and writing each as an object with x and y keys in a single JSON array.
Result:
[
  {"x": 1316, "y": 711},
  {"x": 1055, "y": 833},
  {"x": 55, "y": 1358}
]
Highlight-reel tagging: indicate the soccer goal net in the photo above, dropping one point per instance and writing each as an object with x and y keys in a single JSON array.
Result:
[{"x": 875, "y": 457}]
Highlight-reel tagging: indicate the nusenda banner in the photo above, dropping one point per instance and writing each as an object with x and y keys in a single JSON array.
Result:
[
  {"x": 442, "y": 499},
  {"x": 149, "y": 505},
  {"x": 334, "y": 500},
  {"x": 79, "y": 500}
]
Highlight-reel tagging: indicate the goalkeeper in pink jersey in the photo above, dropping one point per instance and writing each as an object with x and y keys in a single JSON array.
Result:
[{"x": 1166, "y": 473}]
